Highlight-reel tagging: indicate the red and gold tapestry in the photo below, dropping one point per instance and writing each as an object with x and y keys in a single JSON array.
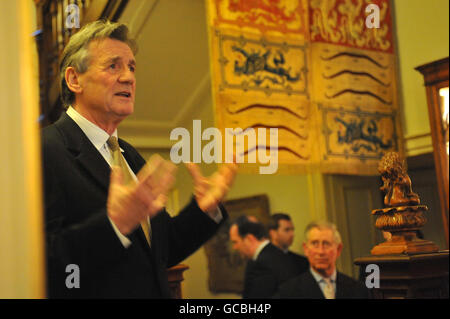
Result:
[{"x": 315, "y": 71}]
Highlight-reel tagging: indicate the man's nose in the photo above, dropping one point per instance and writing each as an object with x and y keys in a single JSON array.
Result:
[
  {"x": 127, "y": 76},
  {"x": 321, "y": 249}
]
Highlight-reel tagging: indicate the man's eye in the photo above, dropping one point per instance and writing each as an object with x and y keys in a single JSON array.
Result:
[
  {"x": 113, "y": 66},
  {"x": 132, "y": 68}
]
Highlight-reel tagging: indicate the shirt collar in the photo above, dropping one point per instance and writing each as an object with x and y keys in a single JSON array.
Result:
[
  {"x": 318, "y": 277},
  {"x": 260, "y": 248},
  {"x": 95, "y": 134}
]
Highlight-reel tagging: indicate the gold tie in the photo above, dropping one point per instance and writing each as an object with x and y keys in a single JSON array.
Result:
[
  {"x": 329, "y": 289},
  {"x": 119, "y": 160}
]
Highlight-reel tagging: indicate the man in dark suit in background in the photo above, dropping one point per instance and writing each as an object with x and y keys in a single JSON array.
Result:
[
  {"x": 322, "y": 248},
  {"x": 110, "y": 224},
  {"x": 281, "y": 232},
  {"x": 267, "y": 266}
]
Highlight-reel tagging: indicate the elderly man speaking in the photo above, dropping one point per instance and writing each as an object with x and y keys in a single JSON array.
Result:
[{"x": 103, "y": 203}]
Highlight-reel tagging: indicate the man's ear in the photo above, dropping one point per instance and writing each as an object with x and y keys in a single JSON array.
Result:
[
  {"x": 272, "y": 234},
  {"x": 339, "y": 249},
  {"x": 250, "y": 238},
  {"x": 73, "y": 80}
]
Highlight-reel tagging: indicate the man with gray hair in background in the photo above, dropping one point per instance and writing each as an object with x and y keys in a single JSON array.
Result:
[
  {"x": 107, "y": 232},
  {"x": 322, "y": 247}
]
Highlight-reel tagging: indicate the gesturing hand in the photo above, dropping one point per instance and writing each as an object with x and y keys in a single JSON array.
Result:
[
  {"x": 209, "y": 191},
  {"x": 132, "y": 203}
]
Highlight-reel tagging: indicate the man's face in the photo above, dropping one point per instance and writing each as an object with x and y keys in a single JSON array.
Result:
[
  {"x": 109, "y": 84},
  {"x": 240, "y": 244},
  {"x": 284, "y": 235},
  {"x": 322, "y": 251}
]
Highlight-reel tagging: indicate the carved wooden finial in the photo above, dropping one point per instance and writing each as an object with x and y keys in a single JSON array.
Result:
[
  {"x": 397, "y": 185},
  {"x": 403, "y": 215}
]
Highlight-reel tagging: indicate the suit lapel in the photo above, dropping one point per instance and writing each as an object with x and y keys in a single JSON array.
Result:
[
  {"x": 95, "y": 164},
  {"x": 340, "y": 287},
  {"x": 86, "y": 155},
  {"x": 311, "y": 283},
  {"x": 130, "y": 160}
]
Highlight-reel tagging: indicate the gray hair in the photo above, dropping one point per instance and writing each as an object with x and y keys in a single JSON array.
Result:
[
  {"x": 324, "y": 225},
  {"x": 76, "y": 52}
]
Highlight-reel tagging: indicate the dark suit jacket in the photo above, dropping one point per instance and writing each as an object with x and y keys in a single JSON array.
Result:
[
  {"x": 267, "y": 272},
  {"x": 78, "y": 231},
  {"x": 306, "y": 287},
  {"x": 300, "y": 262}
]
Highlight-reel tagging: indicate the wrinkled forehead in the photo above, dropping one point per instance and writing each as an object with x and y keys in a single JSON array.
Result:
[
  {"x": 101, "y": 50},
  {"x": 321, "y": 234}
]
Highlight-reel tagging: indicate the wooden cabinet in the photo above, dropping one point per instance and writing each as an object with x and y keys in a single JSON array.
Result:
[
  {"x": 405, "y": 276},
  {"x": 436, "y": 83}
]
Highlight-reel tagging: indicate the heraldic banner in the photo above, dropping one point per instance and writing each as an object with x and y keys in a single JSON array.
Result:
[{"x": 317, "y": 71}]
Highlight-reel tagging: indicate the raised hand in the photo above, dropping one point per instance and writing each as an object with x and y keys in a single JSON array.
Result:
[
  {"x": 157, "y": 177},
  {"x": 132, "y": 203},
  {"x": 209, "y": 191}
]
